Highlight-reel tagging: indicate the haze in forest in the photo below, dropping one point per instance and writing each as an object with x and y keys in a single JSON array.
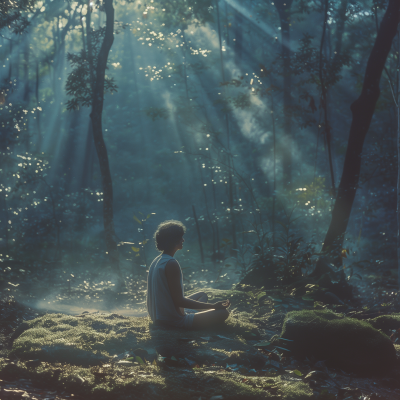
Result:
[{"x": 232, "y": 117}]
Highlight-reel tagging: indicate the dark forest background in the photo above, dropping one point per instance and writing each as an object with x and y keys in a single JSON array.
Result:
[{"x": 232, "y": 117}]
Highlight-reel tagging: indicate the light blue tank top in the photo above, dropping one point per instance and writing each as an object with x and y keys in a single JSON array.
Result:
[{"x": 159, "y": 300}]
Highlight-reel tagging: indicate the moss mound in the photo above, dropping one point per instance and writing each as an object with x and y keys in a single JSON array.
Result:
[
  {"x": 92, "y": 339},
  {"x": 386, "y": 322},
  {"x": 349, "y": 344}
]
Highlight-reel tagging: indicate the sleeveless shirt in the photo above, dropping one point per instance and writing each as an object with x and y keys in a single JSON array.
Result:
[{"x": 160, "y": 305}]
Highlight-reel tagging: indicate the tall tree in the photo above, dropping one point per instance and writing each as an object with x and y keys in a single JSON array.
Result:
[
  {"x": 95, "y": 116},
  {"x": 87, "y": 83},
  {"x": 362, "y": 110},
  {"x": 283, "y": 8}
]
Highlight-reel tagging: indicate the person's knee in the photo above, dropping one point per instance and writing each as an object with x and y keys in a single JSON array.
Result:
[
  {"x": 203, "y": 296},
  {"x": 224, "y": 314}
]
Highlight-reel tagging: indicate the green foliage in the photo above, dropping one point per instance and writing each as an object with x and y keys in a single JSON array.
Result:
[
  {"x": 307, "y": 59},
  {"x": 13, "y": 14},
  {"x": 81, "y": 80}
]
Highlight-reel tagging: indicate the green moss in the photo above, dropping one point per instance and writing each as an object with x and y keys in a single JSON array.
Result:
[
  {"x": 386, "y": 322},
  {"x": 147, "y": 381},
  {"x": 346, "y": 343},
  {"x": 90, "y": 339},
  {"x": 294, "y": 390}
]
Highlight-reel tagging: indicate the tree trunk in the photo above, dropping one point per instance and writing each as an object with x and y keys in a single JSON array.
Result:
[
  {"x": 398, "y": 163},
  {"x": 341, "y": 20},
  {"x": 324, "y": 98},
  {"x": 283, "y": 7},
  {"x": 87, "y": 170},
  {"x": 230, "y": 181},
  {"x": 362, "y": 110},
  {"x": 96, "y": 115}
]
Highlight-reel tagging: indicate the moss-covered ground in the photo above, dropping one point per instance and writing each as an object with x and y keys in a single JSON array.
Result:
[
  {"x": 97, "y": 355},
  {"x": 108, "y": 356}
]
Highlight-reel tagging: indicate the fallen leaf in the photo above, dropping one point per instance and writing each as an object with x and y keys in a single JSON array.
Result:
[
  {"x": 139, "y": 360},
  {"x": 297, "y": 372}
]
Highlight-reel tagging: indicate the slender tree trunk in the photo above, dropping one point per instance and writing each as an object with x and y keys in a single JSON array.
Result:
[
  {"x": 398, "y": 155},
  {"x": 95, "y": 116},
  {"x": 324, "y": 98},
  {"x": 283, "y": 7},
  {"x": 198, "y": 234},
  {"x": 274, "y": 171},
  {"x": 39, "y": 139},
  {"x": 238, "y": 36},
  {"x": 362, "y": 109},
  {"x": 87, "y": 172},
  {"x": 230, "y": 181},
  {"x": 207, "y": 210},
  {"x": 341, "y": 20}
]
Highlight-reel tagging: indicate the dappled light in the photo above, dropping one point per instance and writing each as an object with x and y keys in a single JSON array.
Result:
[{"x": 269, "y": 129}]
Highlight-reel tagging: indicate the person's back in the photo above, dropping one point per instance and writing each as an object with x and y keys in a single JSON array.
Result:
[
  {"x": 165, "y": 295},
  {"x": 160, "y": 305}
]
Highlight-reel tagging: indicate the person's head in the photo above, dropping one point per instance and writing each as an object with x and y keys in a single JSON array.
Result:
[{"x": 169, "y": 235}]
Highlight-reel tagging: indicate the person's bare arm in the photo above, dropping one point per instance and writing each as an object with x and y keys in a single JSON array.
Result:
[{"x": 173, "y": 273}]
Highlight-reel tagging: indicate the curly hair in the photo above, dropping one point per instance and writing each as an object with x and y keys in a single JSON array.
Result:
[{"x": 168, "y": 234}]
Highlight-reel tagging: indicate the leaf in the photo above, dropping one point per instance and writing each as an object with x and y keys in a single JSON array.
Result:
[
  {"x": 297, "y": 372},
  {"x": 154, "y": 362},
  {"x": 139, "y": 360},
  {"x": 135, "y": 249},
  {"x": 137, "y": 255},
  {"x": 145, "y": 241},
  {"x": 137, "y": 219}
]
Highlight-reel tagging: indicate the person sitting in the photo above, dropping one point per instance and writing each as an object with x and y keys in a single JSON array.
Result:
[{"x": 165, "y": 295}]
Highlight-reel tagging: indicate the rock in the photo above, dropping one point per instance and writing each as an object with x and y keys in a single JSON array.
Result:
[
  {"x": 385, "y": 322},
  {"x": 346, "y": 343}
]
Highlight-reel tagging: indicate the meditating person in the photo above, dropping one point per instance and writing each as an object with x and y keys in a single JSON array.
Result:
[{"x": 165, "y": 297}]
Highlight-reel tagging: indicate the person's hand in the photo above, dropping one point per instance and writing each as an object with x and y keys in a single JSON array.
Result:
[{"x": 221, "y": 305}]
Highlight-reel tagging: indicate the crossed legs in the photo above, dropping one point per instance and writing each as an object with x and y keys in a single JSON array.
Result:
[{"x": 205, "y": 319}]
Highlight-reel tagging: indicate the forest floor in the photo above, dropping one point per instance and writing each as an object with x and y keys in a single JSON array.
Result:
[{"x": 131, "y": 358}]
